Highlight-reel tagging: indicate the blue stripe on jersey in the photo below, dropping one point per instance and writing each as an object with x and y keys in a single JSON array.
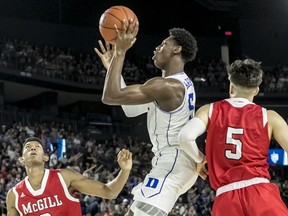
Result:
[
  {"x": 167, "y": 133},
  {"x": 175, "y": 159},
  {"x": 156, "y": 128}
]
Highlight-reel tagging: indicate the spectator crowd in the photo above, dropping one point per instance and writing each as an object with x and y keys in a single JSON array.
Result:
[
  {"x": 95, "y": 158},
  {"x": 58, "y": 63}
]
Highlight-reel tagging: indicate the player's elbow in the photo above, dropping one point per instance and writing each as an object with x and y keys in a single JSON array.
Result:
[
  {"x": 107, "y": 100},
  {"x": 111, "y": 194}
]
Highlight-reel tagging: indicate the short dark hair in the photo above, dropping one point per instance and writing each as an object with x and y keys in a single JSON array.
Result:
[
  {"x": 246, "y": 73},
  {"x": 30, "y": 139},
  {"x": 188, "y": 42}
]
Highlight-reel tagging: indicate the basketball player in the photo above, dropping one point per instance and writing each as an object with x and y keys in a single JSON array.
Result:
[
  {"x": 44, "y": 192},
  {"x": 169, "y": 102},
  {"x": 237, "y": 143}
]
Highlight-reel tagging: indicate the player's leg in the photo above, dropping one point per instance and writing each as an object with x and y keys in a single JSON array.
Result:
[
  {"x": 172, "y": 174},
  {"x": 228, "y": 204},
  {"x": 270, "y": 199},
  {"x": 144, "y": 209}
]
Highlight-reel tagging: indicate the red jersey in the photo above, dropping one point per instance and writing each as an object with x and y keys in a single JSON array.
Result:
[
  {"x": 53, "y": 198},
  {"x": 237, "y": 142}
]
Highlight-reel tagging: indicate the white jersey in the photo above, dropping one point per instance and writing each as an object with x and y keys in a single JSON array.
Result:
[
  {"x": 173, "y": 170},
  {"x": 164, "y": 127}
]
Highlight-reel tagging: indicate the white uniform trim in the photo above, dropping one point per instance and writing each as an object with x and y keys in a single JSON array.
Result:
[
  {"x": 43, "y": 184},
  {"x": 265, "y": 117},
  {"x": 64, "y": 186},
  {"x": 240, "y": 184},
  {"x": 135, "y": 110}
]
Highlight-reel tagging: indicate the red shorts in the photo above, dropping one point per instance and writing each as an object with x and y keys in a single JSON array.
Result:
[{"x": 260, "y": 199}]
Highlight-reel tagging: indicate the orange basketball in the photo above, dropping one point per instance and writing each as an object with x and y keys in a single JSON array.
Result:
[{"x": 114, "y": 16}]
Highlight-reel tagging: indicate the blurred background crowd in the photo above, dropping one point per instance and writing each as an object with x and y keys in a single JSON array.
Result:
[
  {"x": 51, "y": 83},
  {"x": 90, "y": 154}
]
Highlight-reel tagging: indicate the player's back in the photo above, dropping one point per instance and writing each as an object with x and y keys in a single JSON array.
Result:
[
  {"x": 237, "y": 142},
  {"x": 164, "y": 127}
]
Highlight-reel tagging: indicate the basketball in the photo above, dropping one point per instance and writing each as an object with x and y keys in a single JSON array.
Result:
[{"x": 114, "y": 16}]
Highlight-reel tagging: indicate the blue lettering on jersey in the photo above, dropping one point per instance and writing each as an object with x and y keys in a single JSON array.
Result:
[
  {"x": 191, "y": 101},
  {"x": 188, "y": 82},
  {"x": 152, "y": 182}
]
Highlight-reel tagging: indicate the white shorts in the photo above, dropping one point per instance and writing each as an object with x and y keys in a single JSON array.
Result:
[{"x": 173, "y": 173}]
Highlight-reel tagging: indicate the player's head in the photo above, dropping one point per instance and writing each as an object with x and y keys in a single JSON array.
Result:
[
  {"x": 245, "y": 75},
  {"x": 33, "y": 152},
  {"x": 187, "y": 41},
  {"x": 30, "y": 139}
]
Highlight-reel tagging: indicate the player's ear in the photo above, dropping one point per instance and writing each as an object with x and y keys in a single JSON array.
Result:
[
  {"x": 21, "y": 161},
  {"x": 178, "y": 49},
  {"x": 46, "y": 157},
  {"x": 256, "y": 91},
  {"x": 232, "y": 89}
]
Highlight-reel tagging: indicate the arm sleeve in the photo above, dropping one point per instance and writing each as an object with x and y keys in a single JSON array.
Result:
[
  {"x": 187, "y": 138},
  {"x": 133, "y": 110}
]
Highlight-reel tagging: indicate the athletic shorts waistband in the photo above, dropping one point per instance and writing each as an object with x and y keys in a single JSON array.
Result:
[{"x": 240, "y": 184}]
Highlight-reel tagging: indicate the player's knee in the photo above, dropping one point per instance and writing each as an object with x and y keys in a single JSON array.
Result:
[{"x": 144, "y": 209}]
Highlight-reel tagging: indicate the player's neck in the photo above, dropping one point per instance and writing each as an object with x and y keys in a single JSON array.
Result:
[
  {"x": 174, "y": 66},
  {"x": 242, "y": 96},
  {"x": 171, "y": 72},
  {"x": 35, "y": 176}
]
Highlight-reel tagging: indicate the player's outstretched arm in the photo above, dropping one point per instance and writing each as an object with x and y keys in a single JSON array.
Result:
[
  {"x": 105, "y": 53},
  {"x": 278, "y": 129},
  {"x": 91, "y": 187}
]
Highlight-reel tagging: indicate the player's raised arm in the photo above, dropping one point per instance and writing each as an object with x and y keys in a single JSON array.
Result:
[{"x": 109, "y": 190}]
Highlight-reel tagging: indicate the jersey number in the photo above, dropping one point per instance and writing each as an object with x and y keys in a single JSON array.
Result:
[
  {"x": 237, "y": 154},
  {"x": 191, "y": 101}
]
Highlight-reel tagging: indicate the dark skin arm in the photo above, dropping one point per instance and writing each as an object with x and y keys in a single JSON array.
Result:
[{"x": 167, "y": 92}]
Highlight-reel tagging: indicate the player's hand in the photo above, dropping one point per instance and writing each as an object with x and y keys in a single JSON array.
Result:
[
  {"x": 124, "y": 159},
  {"x": 106, "y": 53},
  {"x": 202, "y": 170},
  {"x": 127, "y": 36}
]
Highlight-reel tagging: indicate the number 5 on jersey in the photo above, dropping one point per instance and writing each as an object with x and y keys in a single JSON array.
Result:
[{"x": 237, "y": 154}]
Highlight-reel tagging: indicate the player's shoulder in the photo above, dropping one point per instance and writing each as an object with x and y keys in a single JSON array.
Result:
[
  {"x": 69, "y": 173},
  {"x": 272, "y": 116},
  {"x": 164, "y": 85},
  {"x": 64, "y": 170},
  {"x": 272, "y": 113},
  {"x": 11, "y": 191},
  {"x": 10, "y": 194}
]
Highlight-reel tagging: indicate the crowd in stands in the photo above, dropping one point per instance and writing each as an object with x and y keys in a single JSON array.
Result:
[
  {"x": 55, "y": 62},
  {"x": 95, "y": 158}
]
